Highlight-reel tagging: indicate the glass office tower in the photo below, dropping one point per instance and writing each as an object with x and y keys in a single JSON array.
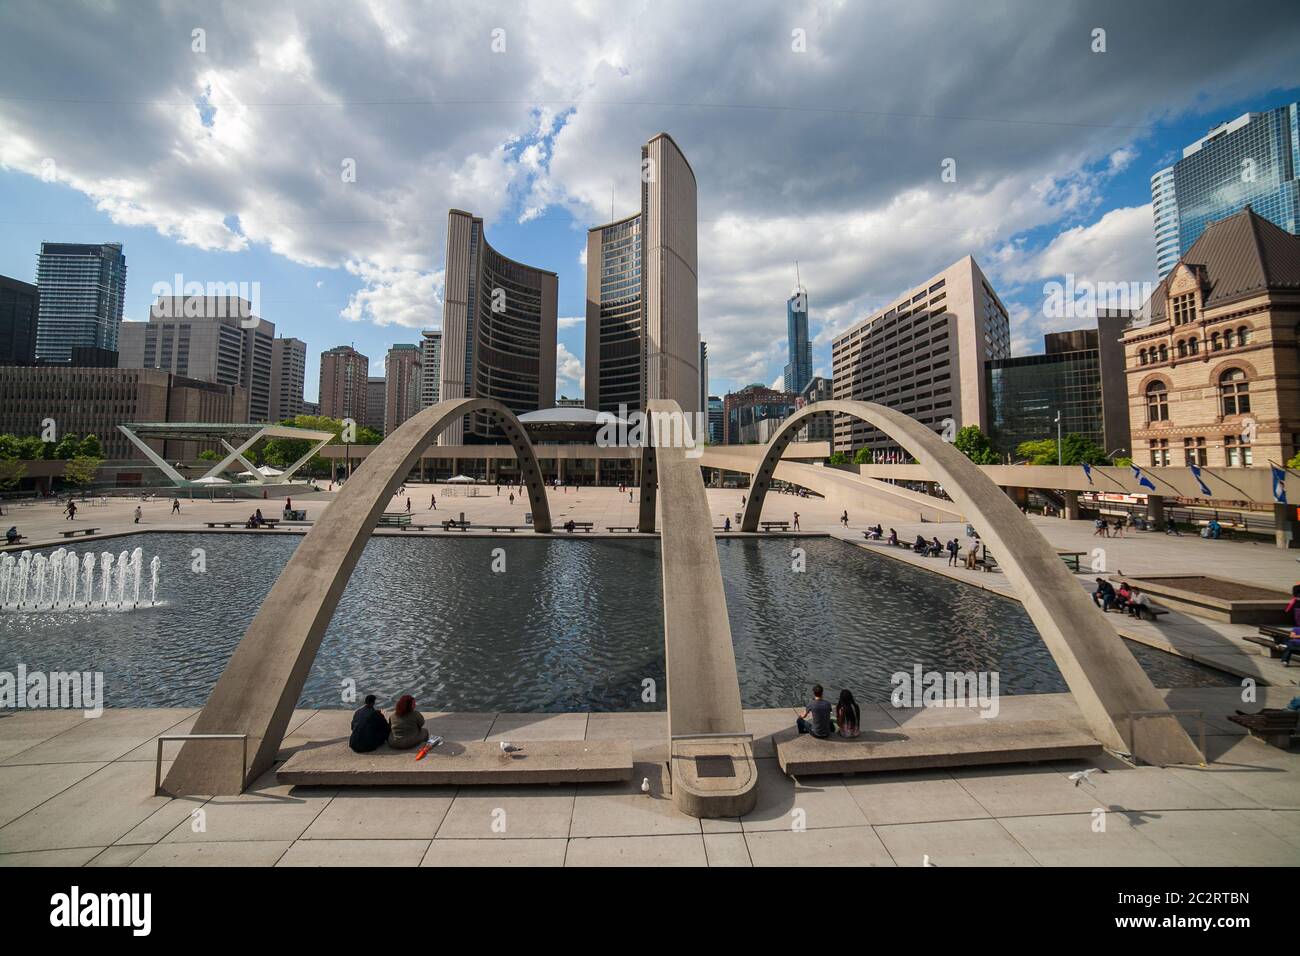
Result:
[
  {"x": 1250, "y": 161},
  {"x": 799, "y": 370},
  {"x": 82, "y": 291}
]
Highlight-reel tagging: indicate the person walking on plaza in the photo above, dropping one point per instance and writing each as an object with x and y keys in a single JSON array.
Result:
[
  {"x": 629, "y": 496},
  {"x": 726, "y": 524},
  {"x": 796, "y": 521},
  {"x": 498, "y": 489},
  {"x": 953, "y": 548},
  {"x": 138, "y": 514},
  {"x": 408, "y": 506},
  {"x": 71, "y": 510},
  {"x": 433, "y": 502},
  {"x": 844, "y": 519},
  {"x": 512, "y": 497},
  {"x": 176, "y": 506}
]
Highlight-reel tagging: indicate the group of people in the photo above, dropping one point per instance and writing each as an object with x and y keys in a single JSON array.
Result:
[
  {"x": 371, "y": 729},
  {"x": 255, "y": 520},
  {"x": 1104, "y": 529},
  {"x": 1126, "y": 598},
  {"x": 820, "y": 720}
]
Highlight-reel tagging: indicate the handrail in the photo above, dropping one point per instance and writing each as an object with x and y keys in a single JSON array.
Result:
[{"x": 157, "y": 768}]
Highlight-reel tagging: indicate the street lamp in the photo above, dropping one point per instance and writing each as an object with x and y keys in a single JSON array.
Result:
[{"x": 1058, "y": 438}]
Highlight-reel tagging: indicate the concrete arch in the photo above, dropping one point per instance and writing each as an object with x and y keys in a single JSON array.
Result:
[
  {"x": 1106, "y": 681},
  {"x": 260, "y": 686}
]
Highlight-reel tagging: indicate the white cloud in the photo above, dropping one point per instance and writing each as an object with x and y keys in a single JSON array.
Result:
[
  {"x": 395, "y": 296},
  {"x": 570, "y": 321},
  {"x": 568, "y": 371}
]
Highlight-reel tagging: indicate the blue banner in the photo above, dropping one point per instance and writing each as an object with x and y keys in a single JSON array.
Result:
[
  {"x": 1196, "y": 473},
  {"x": 1143, "y": 480},
  {"x": 1279, "y": 484}
]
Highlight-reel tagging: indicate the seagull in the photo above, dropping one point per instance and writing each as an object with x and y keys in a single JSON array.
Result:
[
  {"x": 1083, "y": 776},
  {"x": 508, "y": 748},
  {"x": 645, "y": 784}
]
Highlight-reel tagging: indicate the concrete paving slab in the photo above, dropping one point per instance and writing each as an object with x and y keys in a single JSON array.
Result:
[
  {"x": 514, "y": 727},
  {"x": 1016, "y": 792},
  {"x": 387, "y": 813},
  {"x": 922, "y": 796},
  {"x": 243, "y": 853},
  {"x": 953, "y": 843},
  {"x": 822, "y": 802},
  {"x": 119, "y": 855},
  {"x": 108, "y": 737},
  {"x": 726, "y": 849},
  {"x": 1147, "y": 788},
  {"x": 1218, "y": 838},
  {"x": 75, "y": 856},
  {"x": 676, "y": 850},
  {"x": 487, "y": 813},
  {"x": 1072, "y": 840},
  {"x": 38, "y": 724},
  {"x": 623, "y": 810},
  {"x": 355, "y": 853},
  {"x": 818, "y": 849},
  {"x": 21, "y": 789},
  {"x": 498, "y": 853},
  {"x": 182, "y": 811},
  {"x": 266, "y": 812}
]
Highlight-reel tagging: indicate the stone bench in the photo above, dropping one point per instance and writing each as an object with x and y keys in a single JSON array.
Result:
[
  {"x": 1274, "y": 727},
  {"x": 454, "y": 763},
  {"x": 957, "y": 745},
  {"x": 76, "y": 531}
]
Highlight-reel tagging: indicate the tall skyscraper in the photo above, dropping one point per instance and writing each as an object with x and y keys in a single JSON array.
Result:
[
  {"x": 1253, "y": 160},
  {"x": 402, "y": 385},
  {"x": 798, "y": 371},
  {"x": 430, "y": 367},
  {"x": 343, "y": 374},
  {"x": 19, "y": 308},
  {"x": 288, "y": 374},
  {"x": 83, "y": 288},
  {"x": 376, "y": 396},
  {"x": 209, "y": 338},
  {"x": 716, "y": 412},
  {"x": 499, "y": 326},
  {"x": 642, "y": 292},
  {"x": 924, "y": 355}
]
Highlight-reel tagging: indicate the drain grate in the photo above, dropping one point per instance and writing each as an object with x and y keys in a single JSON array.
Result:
[{"x": 714, "y": 766}]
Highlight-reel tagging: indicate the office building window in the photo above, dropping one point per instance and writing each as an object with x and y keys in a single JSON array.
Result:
[
  {"x": 1157, "y": 402},
  {"x": 1184, "y": 308},
  {"x": 1194, "y": 451},
  {"x": 1237, "y": 452},
  {"x": 1235, "y": 392},
  {"x": 1160, "y": 452}
]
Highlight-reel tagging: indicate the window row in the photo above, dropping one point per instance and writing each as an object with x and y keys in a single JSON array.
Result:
[
  {"x": 1234, "y": 396},
  {"x": 1217, "y": 342}
]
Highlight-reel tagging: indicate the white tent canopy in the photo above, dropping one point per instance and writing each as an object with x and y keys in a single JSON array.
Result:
[
  {"x": 211, "y": 480},
  {"x": 460, "y": 480}
]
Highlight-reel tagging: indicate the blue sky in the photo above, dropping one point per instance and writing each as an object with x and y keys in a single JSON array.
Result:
[{"x": 221, "y": 164}]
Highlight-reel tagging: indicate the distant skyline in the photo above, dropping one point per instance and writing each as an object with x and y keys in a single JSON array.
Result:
[{"x": 228, "y": 165}]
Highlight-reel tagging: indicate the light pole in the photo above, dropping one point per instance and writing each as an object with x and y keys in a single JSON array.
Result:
[{"x": 1058, "y": 438}]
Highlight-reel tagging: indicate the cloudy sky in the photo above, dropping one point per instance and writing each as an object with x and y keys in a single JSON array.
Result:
[{"x": 214, "y": 139}]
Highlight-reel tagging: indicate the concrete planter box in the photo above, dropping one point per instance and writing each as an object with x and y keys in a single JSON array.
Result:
[{"x": 1213, "y": 598}]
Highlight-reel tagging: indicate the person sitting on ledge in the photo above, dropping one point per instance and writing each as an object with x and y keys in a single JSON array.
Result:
[
  {"x": 1139, "y": 604},
  {"x": 920, "y": 545},
  {"x": 12, "y": 535},
  {"x": 936, "y": 549},
  {"x": 1123, "y": 596},
  {"x": 369, "y": 727},
  {"x": 407, "y": 727},
  {"x": 816, "y": 718},
  {"x": 250, "y": 523},
  {"x": 893, "y": 537},
  {"x": 1104, "y": 596},
  {"x": 848, "y": 715}
]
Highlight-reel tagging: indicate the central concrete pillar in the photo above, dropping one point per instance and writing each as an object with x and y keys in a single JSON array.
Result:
[
  {"x": 1071, "y": 510},
  {"x": 1156, "y": 511},
  {"x": 1286, "y": 524}
]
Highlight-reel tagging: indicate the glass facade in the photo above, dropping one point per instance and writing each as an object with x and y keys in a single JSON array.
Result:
[
  {"x": 1025, "y": 394},
  {"x": 82, "y": 292},
  {"x": 1251, "y": 160},
  {"x": 799, "y": 370}
]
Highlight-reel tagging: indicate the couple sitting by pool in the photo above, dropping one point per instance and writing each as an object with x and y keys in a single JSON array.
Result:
[
  {"x": 371, "y": 729},
  {"x": 818, "y": 722}
]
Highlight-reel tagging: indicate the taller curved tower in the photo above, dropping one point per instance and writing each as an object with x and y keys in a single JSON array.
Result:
[{"x": 498, "y": 329}]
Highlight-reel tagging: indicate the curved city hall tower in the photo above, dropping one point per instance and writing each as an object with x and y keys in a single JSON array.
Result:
[
  {"x": 498, "y": 330},
  {"x": 642, "y": 304}
]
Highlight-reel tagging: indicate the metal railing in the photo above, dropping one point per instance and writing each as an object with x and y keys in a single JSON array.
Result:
[{"x": 157, "y": 768}]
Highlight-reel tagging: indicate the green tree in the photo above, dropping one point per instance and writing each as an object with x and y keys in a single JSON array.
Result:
[
  {"x": 12, "y": 471},
  {"x": 33, "y": 449},
  {"x": 863, "y": 457},
  {"x": 90, "y": 448},
  {"x": 81, "y": 470},
  {"x": 838, "y": 458},
  {"x": 209, "y": 455},
  {"x": 974, "y": 444},
  {"x": 1075, "y": 450},
  {"x": 1122, "y": 461}
]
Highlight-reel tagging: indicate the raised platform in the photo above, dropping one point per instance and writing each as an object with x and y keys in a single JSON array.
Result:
[
  {"x": 460, "y": 763},
  {"x": 714, "y": 777},
  {"x": 957, "y": 745},
  {"x": 1213, "y": 598}
]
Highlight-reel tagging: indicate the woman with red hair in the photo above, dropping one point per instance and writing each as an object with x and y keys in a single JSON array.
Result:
[{"x": 408, "y": 728}]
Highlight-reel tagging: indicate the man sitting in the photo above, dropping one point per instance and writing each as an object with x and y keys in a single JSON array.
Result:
[
  {"x": 12, "y": 535},
  {"x": 1139, "y": 604},
  {"x": 816, "y": 718},
  {"x": 1104, "y": 596},
  {"x": 369, "y": 727}
]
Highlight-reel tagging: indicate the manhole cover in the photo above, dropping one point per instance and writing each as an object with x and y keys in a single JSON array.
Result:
[{"x": 716, "y": 766}]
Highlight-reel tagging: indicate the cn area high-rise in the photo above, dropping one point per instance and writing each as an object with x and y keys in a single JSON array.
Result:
[{"x": 642, "y": 304}]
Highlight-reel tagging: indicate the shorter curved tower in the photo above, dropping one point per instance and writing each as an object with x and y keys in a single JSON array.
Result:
[{"x": 498, "y": 330}]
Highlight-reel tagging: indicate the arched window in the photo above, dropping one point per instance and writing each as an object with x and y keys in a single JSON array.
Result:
[
  {"x": 1193, "y": 346},
  {"x": 1164, "y": 352},
  {"x": 1142, "y": 357},
  {"x": 1235, "y": 392},
  {"x": 1157, "y": 402},
  {"x": 1182, "y": 348},
  {"x": 1227, "y": 339},
  {"x": 1215, "y": 343},
  {"x": 1243, "y": 335}
]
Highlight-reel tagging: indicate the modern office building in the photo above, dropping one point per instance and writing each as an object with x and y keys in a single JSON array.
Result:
[
  {"x": 642, "y": 296},
  {"x": 716, "y": 426},
  {"x": 311, "y": 408},
  {"x": 1080, "y": 376},
  {"x": 83, "y": 288},
  {"x": 1253, "y": 160},
  {"x": 376, "y": 396},
  {"x": 209, "y": 338},
  {"x": 923, "y": 354},
  {"x": 430, "y": 367},
  {"x": 20, "y": 305},
  {"x": 402, "y": 385},
  {"x": 743, "y": 413},
  {"x": 798, "y": 370},
  {"x": 343, "y": 374},
  {"x": 819, "y": 427},
  {"x": 1214, "y": 376},
  {"x": 498, "y": 330},
  {"x": 288, "y": 375},
  {"x": 94, "y": 401}
]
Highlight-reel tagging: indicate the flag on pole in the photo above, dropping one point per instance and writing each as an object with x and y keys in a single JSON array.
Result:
[
  {"x": 1196, "y": 473},
  {"x": 1143, "y": 480},
  {"x": 1279, "y": 484}
]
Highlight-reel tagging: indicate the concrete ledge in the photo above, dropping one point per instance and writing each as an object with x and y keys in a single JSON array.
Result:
[
  {"x": 453, "y": 762},
  {"x": 1265, "y": 608},
  {"x": 961, "y": 745},
  {"x": 714, "y": 777}
]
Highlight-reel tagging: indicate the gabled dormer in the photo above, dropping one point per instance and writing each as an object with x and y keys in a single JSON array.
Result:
[{"x": 1185, "y": 294}]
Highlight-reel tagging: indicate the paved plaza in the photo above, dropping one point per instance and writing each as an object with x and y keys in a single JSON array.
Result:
[{"x": 80, "y": 792}]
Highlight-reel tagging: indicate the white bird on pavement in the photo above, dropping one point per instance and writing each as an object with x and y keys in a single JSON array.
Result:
[
  {"x": 508, "y": 748},
  {"x": 645, "y": 784},
  {"x": 1083, "y": 776}
]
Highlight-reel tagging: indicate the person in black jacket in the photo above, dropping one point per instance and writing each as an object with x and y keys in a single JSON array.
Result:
[{"x": 369, "y": 727}]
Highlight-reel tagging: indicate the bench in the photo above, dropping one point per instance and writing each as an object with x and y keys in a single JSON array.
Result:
[
  {"x": 779, "y": 525},
  {"x": 508, "y": 527},
  {"x": 631, "y": 528},
  {"x": 267, "y": 523},
  {"x": 1152, "y": 611},
  {"x": 1272, "y": 726},
  {"x": 455, "y": 523},
  {"x": 578, "y": 526},
  {"x": 456, "y": 763},
  {"x": 18, "y": 539},
  {"x": 914, "y": 748},
  {"x": 1272, "y": 639},
  {"x": 76, "y": 531}
]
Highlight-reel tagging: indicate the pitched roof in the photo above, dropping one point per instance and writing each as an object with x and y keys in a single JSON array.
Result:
[{"x": 1239, "y": 256}]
